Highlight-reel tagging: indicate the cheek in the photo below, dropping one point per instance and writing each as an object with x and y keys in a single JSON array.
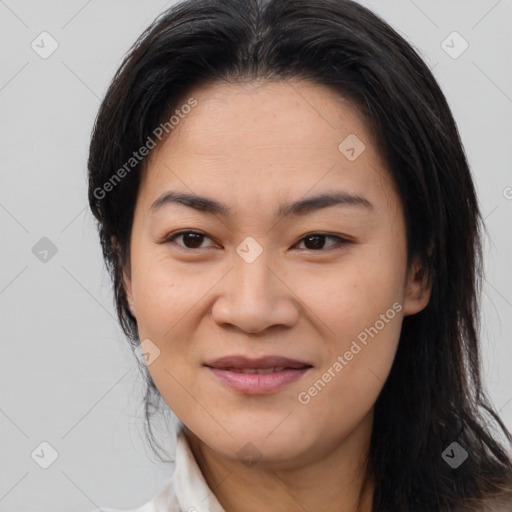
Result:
[
  {"x": 168, "y": 301},
  {"x": 354, "y": 294},
  {"x": 360, "y": 308},
  {"x": 344, "y": 389},
  {"x": 165, "y": 293}
]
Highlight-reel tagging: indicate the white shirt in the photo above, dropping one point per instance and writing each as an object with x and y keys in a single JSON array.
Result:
[{"x": 186, "y": 491}]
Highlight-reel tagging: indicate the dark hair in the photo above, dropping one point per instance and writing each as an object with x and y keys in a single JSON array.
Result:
[{"x": 434, "y": 395}]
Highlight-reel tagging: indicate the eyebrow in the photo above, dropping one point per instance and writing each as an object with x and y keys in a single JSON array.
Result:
[{"x": 300, "y": 207}]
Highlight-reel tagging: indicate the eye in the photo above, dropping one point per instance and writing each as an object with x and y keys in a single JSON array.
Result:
[
  {"x": 313, "y": 241},
  {"x": 191, "y": 239},
  {"x": 316, "y": 241}
]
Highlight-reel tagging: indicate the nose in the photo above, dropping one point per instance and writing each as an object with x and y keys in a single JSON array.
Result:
[{"x": 254, "y": 297}]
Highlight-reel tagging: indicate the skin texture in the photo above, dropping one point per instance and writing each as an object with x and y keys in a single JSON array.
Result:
[{"x": 252, "y": 147}]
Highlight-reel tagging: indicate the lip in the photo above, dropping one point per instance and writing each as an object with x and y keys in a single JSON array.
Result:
[
  {"x": 243, "y": 362},
  {"x": 225, "y": 369}
]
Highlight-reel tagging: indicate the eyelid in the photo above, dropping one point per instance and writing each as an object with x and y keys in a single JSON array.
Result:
[
  {"x": 170, "y": 238},
  {"x": 341, "y": 241}
]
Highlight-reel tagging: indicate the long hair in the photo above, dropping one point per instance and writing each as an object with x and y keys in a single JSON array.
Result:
[{"x": 434, "y": 395}]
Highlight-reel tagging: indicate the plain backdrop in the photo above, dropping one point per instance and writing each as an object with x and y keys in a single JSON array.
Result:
[{"x": 67, "y": 376}]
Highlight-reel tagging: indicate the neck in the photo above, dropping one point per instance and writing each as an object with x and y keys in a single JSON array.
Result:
[{"x": 331, "y": 482}]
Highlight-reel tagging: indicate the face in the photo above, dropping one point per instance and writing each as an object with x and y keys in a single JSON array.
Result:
[{"x": 263, "y": 269}]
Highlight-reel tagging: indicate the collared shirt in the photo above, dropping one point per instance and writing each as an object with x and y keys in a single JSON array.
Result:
[{"x": 185, "y": 491}]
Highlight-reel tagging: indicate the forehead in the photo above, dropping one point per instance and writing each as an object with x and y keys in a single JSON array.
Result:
[
  {"x": 259, "y": 115},
  {"x": 295, "y": 135}
]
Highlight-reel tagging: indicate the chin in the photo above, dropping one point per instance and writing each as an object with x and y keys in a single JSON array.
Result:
[{"x": 263, "y": 439}]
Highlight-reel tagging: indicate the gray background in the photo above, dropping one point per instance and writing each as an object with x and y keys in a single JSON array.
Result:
[{"x": 67, "y": 376}]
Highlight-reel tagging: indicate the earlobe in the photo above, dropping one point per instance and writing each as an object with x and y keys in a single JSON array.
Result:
[{"x": 418, "y": 289}]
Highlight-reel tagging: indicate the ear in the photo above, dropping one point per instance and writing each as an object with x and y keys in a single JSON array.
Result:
[
  {"x": 418, "y": 289},
  {"x": 127, "y": 281},
  {"x": 125, "y": 270}
]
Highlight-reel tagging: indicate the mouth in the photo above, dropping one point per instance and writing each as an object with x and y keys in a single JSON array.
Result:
[
  {"x": 257, "y": 370},
  {"x": 257, "y": 376}
]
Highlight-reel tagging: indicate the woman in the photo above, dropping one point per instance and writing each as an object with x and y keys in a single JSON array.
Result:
[{"x": 287, "y": 213}]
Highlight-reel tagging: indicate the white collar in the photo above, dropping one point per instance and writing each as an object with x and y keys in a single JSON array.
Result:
[{"x": 187, "y": 490}]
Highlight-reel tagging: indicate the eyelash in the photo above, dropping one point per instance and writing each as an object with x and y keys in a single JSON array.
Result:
[{"x": 340, "y": 240}]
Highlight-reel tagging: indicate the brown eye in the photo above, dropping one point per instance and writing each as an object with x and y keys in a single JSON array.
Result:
[
  {"x": 316, "y": 241},
  {"x": 191, "y": 239}
]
